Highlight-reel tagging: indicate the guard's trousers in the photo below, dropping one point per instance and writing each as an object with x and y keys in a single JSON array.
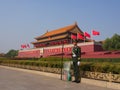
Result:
[{"x": 76, "y": 70}]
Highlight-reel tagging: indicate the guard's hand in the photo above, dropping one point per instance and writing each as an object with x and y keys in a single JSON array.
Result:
[
  {"x": 78, "y": 63},
  {"x": 79, "y": 59}
]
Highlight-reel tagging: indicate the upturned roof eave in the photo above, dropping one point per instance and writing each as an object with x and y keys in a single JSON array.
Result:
[
  {"x": 43, "y": 36},
  {"x": 62, "y": 37}
]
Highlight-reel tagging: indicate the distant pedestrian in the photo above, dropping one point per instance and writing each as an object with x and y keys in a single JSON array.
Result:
[{"x": 76, "y": 56}]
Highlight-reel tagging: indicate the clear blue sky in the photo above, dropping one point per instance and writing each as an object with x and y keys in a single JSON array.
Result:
[{"x": 22, "y": 20}]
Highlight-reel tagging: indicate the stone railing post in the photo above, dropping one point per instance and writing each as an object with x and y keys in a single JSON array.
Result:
[{"x": 110, "y": 77}]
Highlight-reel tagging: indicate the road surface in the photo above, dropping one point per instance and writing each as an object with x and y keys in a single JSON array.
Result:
[{"x": 18, "y": 80}]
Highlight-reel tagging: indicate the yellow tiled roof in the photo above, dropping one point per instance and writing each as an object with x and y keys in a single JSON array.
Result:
[
  {"x": 57, "y": 31},
  {"x": 50, "y": 39}
]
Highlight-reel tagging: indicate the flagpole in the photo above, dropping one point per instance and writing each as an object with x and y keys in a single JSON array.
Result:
[
  {"x": 71, "y": 38},
  {"x": 62, "y": 59},
  {"x": 92, "y": 36},
  {"x": 84, "y": 37}
]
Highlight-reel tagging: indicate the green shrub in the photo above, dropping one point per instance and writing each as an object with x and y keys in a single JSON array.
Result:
[
  {"x": 93, "y": 65},
  {"x": 3, "y": 58},
  {"x": 0, "y": 61},
  {"x": 100, "y": 60}
]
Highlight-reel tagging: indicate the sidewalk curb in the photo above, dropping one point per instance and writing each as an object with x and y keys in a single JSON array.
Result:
[{"x": 83, "y": 80}]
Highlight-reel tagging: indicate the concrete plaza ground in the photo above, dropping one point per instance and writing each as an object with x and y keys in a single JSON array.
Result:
[{"x": 20, "y": 79}]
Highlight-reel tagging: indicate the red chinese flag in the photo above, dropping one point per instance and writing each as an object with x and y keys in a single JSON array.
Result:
[
  {"x": 87, "y": 34},
  {"x": 28, "y": 45},
  {"x": 22, "y": 46},
  {"x": 80, "y": 36},
  {"x": 73, "y": 36},
  {"x": 95, "y": 32}
]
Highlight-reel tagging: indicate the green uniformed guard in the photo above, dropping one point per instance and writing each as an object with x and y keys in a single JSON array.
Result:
[{"x": 76, "y": 56}]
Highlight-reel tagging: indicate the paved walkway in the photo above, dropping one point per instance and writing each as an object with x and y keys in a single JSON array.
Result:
[{"x": 11, "y": 79}]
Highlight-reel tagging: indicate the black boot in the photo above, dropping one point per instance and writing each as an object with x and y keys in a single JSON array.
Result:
[
  {"x": 77, "y": 81},
  {"x": 74, "y": 81}
]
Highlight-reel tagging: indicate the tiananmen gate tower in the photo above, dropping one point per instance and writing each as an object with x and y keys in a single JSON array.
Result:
[{"x": 51, "y": 44}]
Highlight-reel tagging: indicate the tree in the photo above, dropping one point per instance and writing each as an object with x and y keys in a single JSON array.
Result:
[
  {"x": 112, "y": 43},
  {"x": 12, "y": 53},
  {"x": 2, "y": 54},
  {"x": 106, "y": 44}
]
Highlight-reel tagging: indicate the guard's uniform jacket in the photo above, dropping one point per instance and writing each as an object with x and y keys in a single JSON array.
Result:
[{"x": 76, "y": 53}]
